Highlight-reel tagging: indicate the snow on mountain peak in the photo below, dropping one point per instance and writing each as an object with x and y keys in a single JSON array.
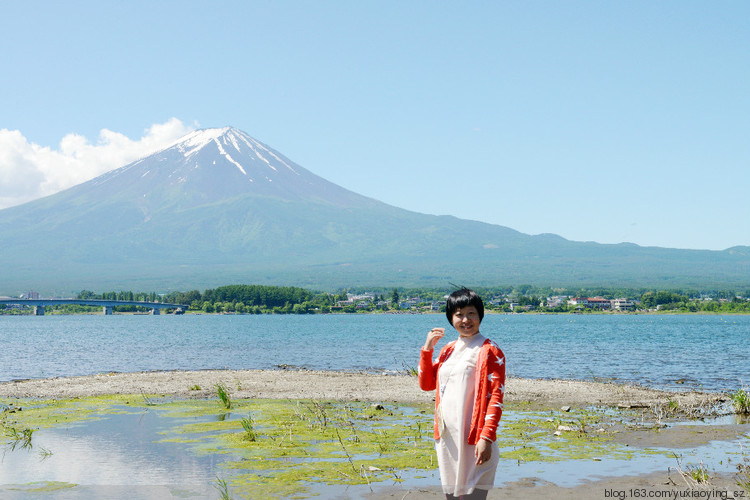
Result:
[
  {"x": 195, "y": 141},
  {"x": 233, "y": 145}
]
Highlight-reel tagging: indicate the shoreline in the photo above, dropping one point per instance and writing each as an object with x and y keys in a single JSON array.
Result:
[
  {"x": 342, "y": 386},
  {"x": 588, "y": 312}
]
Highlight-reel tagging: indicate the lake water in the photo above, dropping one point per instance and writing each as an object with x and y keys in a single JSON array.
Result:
[
  {"x": 709, "y": 352},
  {"x": 122, "y": 455}
]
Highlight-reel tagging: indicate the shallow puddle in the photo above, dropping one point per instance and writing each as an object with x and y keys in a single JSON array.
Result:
[{"x": 148, "y": 448}]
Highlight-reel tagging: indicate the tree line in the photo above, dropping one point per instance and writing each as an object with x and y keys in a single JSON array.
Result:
[
  {"x": 261, "y": 299},
  {"x": 231, "y": 298}
]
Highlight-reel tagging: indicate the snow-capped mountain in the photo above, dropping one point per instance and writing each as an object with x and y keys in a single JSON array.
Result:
[
  {"x": 217, "y": 164},
  {"x": 220, "y": 207}
]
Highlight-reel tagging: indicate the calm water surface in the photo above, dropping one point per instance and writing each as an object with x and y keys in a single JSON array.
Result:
[{"x": 676, "y": 352}]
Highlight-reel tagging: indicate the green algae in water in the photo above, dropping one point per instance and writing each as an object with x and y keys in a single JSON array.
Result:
[
  {"x": 303, "y": 442},
  {"x": 40, "y": 487},
  {"x": 40, "y": 414},
  {"x": 530, "y": 436},
  {"x": 300, "y": 443}
]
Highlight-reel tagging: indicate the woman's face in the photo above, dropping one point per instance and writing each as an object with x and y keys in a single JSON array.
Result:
[{"x": 466, "y": 321}]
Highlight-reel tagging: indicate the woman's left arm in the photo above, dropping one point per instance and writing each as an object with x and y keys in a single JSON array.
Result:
[{"x": 496, "y": 379}]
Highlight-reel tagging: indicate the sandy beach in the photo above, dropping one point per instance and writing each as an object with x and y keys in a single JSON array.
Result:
[{"x": 343, "y": 386}]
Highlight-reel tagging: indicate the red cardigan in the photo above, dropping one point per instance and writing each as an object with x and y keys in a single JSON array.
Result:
[{"x": 489, "y": 389}]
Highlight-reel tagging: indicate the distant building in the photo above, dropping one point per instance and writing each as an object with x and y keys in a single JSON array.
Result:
[
  {"x": 515, "y": 306},
  {"x": 368, "y": 297},
  {"x": 556, "y": 301},
  {"x": 599, "y": 302},
  {"x": 591, "y": 302},
  {"x": 409, "y": 303},
  {"x": 622, "y": 305}
]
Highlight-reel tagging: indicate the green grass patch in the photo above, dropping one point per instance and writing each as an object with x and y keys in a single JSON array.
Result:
[{"x": 741, "y": 400}]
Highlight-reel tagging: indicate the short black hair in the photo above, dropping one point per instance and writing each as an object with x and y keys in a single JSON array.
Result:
[{"x": 461, "y": 298}]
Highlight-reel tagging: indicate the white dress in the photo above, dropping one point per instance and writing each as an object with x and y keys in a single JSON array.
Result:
[{"x": 459, "y": 473}]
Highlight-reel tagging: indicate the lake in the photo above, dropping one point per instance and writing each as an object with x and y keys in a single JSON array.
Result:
[{"x": 675, "y": 352}]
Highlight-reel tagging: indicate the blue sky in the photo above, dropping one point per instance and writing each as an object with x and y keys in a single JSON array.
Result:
[{"x": 604, "y": 121}]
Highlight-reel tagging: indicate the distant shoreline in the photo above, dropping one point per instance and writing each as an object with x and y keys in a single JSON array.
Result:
[{"x": 439, "y": 313}]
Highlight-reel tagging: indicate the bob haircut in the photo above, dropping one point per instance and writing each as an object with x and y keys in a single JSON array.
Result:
[{"x": 463, "y": 298}]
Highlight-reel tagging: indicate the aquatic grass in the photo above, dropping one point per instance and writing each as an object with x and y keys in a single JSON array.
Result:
[
  {"x": 741, "y": 401},
  {"x": 16, "y": 435},
  {"x": 699, "y": 474},
  {"x": 248, "y": 425},
  {"x": 223, "y": 488},
  {"x": 408, "y": 369},
  {"x": 694, "y": 476},
  {"x": 348, "y": 456},
  {"x": 385, "y": 444},
  {"x": 19, "y": 437},
  {"x": 743, "y": 472},
  {"x": 147, "y": 399},
  {"x": 44, "y": 453},
  {"x": 223, "y": 395}
]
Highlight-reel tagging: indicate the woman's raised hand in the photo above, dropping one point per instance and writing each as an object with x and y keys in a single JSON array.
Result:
[{"x": 433, "y": 337}]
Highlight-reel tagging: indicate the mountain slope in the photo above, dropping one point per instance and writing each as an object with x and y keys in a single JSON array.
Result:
[{"x": 220, "y": 207}]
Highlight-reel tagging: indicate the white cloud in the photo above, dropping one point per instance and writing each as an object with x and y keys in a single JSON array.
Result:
[{"x": 29, "y": 171}]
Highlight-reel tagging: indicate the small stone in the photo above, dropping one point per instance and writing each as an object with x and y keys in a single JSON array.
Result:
[
  {"x": 557, "y": 433},
  {"x": 564, "y": 428},
  {"x": 378, "y": 407},
  {"x": 373, "y": 469},
  {"x": 565, "y": 408}
]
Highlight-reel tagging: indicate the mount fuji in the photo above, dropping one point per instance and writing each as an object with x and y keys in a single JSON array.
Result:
[{"x": 219, "y": 207}]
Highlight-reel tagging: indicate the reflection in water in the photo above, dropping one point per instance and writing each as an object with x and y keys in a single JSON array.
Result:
[{"x": 117, "y": 450}]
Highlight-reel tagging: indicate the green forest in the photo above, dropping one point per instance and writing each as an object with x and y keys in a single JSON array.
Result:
[{"x": 265, "y": 299}]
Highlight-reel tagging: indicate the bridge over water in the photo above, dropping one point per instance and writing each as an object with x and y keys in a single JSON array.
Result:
[{"x": 107, "y": 305}]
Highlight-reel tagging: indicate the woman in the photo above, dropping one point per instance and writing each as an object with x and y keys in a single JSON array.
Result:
[{"x": 469, "y": 376}]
